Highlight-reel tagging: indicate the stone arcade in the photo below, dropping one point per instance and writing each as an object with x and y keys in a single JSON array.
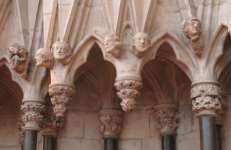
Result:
[{"x": 115, "y": 74}]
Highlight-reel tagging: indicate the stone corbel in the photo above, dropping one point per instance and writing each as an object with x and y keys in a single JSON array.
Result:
[
  {"x": 192, "y": 30},
  {"x": 111, "y": 123},
  {"x": 167, "y": 118},
  {"x": 206, "y": 99},
  {"x": 128, "y": 91},
  {"x": 112, "y": 45},
  {"x": 141, "y": 43},
  {"x": 19, "y": 59},
  {"x": 32, "y": 118}
]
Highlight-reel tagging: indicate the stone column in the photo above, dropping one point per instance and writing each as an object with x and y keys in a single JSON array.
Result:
[
  {"x": 32, "y": 121},
  {"x": 128, "y": 91},
  {"x": 167, "y": 122},
  {"x": 111, "y": 127},
  {"x": 205, "y": 101}
]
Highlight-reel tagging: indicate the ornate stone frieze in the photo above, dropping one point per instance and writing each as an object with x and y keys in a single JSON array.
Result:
[
  {"x": 128, "y": 91},
  {"x": 60, "y": 97},
  {"x": 167, "y": 118},
  {"x": 205, "y": 99},
  {"x": 62, "y": 52},
  {"x": 112, "y": 45},
  {"x": 192, "y": 30},
  {"x": 111, "y": 123},
  {"x": 44, "y": 58},
  {"x": 32, "y": 117},
  {"x": 19, "y": 59},
  {"x": 141, "y": 43}
]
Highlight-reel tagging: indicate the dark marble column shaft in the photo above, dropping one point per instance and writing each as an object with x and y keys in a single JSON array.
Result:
[
  {"x": 110, "y": 144},
  {"x": 49, "y": 143},
  {"x": 30, "y": 141},
  {"x": 168, "y": 142},
  {"x": 208, "y": 133}
]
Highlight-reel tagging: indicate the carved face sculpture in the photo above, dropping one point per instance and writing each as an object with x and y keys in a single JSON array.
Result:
[
  {"x": 141, "y": 42},
  {"x": 192, "y": 28},
  {"x": 44, "y": 58},
  {"x": 112, "y": 44},
  {"x": 14, "y": 48},
  {"x": 62, "y": 52}
]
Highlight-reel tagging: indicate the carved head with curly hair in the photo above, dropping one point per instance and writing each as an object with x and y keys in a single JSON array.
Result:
[{"x": 192, "y": 28}]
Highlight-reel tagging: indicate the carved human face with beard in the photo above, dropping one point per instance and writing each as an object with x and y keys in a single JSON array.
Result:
[
  {"x": 44, "y": 58},
  {"x": 141, "y": 42}
]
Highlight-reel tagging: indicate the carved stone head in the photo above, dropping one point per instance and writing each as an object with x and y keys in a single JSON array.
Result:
[
  {"x": 62, "y": 52},
  {"x": 13, "y": 48},
  {"x": 44, "y": 58},
  {"x": 112, "y": 45},
  {"x": 141, "y": 42},
  {"x": 192, "y": 28}
]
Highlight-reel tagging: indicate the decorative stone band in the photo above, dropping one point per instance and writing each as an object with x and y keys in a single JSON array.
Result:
[
  {"x": 112, "y": 123},
  {"x": 167, "y": 118},
  {"x": 61, "y": 94},
  {"x": 50, "y": 124},
  {"x": 128, "y": 91},
  {"x": 32, "y": 118},
  {"x": 221, "y": 112},
  {"x": 205, "y": 99}
]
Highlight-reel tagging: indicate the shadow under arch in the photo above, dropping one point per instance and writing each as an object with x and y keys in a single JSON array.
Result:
[
  {"x": 184, "y": 57},
  {"x": 165, "y": 78}
]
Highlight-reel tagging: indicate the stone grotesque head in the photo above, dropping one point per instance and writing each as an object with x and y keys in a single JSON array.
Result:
[
  {"x": 44, "y": 58},
  {"x": 141, "y": 43},
  {"x": 112, "y": 45},
  {"x": 192, "y": 28},
  {"x": 62, "y": 52}
]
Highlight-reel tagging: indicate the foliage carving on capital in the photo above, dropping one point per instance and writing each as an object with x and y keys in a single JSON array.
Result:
[
  {"x": 112, "y": 45},
  {"x": 19, "y": 59},
  {"x": 60, "y": 97},
  {"x": 167, "y": 118},
  {"x": 141, "y": 43},
  {"x": 128, "y": 91},
  {"x": 32, "y": 118},
  {"x": 111, "y": 123},
  {"x": 192, "y": 30},
  {"x": 20, "y": 125},
  {"x": 206, "y": 97}
]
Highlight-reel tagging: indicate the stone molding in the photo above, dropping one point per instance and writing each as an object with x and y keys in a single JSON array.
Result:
[
  {"x": 167, "y": 118},
  {"x": 60, "y": 97},
  {"x": 128, "y": 91},
  {"x": 32, "y": 118},
  {"x": 19, "y": 59},
  {"x": 111, "y": 123},
  {"x": 205, "y": 99},
  {"x": 191, "y": 28}
]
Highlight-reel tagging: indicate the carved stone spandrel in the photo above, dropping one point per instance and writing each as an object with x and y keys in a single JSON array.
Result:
[
  {"x": 32, "y": 118},
  {"x": 111, "y": 123},
  {"x": 128, "y": 91},
  {"x": 141, "y": 43},
  {"x": 19, "y": 59},
  {"x": 206, "y": 99},
  {"x": 62, "y": 52},
  {"x": 112, "y": 45},
  {"x": 192, "y": 30},
  {"x": 61, "y": 94},
  {"x": 44, "y": 58},
  {"x": 167, "y": 118}
]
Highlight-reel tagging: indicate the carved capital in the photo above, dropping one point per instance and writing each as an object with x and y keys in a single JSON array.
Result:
[
  {"x": 192, "y": 30},
  {"x": 167, "y": 118},
  {"x": 32, "y": 118},
  {"x": 221, "y": 112},
  {"x": 60, "y": 97},
  {"x": 111, "y": 123},
  {"x": 128, "y": 91},
  {"x": 20, "y": 125},
  {"x": 112, "y": 45},
  {"x": 141, "y": 43},
  {"x": 19, "y": 59},
  {"x": 205, "y": 99}
]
